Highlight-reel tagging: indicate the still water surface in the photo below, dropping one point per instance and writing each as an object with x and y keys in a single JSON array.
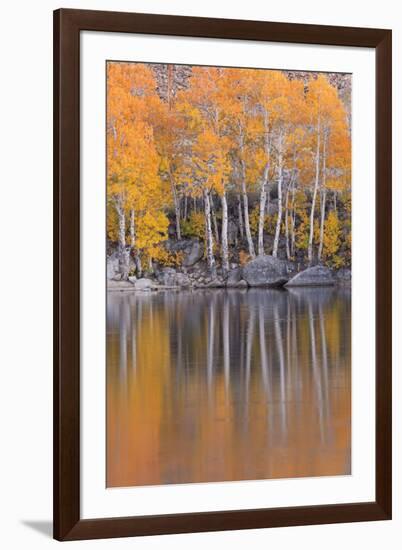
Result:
[{"x": 224, "y": 385}]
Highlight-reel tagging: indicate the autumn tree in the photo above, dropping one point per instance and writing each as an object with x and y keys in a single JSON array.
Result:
[
  {"x": 240, "y": 122},
  {"x": 134, "y": 186},
  {"x": 326, "y": 114},
  {"x": 205, "y": 107}
]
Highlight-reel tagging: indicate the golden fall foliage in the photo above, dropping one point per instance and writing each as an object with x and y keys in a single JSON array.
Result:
[{"x": 273, "y": 153}]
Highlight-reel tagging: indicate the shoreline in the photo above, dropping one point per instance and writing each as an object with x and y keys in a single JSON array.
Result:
[{"x": 127, "y": 287}]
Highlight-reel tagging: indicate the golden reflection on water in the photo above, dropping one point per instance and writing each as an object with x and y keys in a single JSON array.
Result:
[{"x": 227, "y": 385}]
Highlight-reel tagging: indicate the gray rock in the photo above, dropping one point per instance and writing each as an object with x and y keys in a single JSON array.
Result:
[
  {"x": 318, "y": 275},
  {"x": 167, "y": 276},
  {"x": 238, "y": 284},
  {"x": 234, "y": 276},
  {"x": 119, "y": 286},
  {"x": 144, "y": 284},
  {"x": 112, "y": 266},
  {"x": 133, "y": 279},
  {"x": 344, "y": 275},
  {"x": 215, "y": 283},
  {"x": 183, "y": 280},
  {"x": 265, "y": 271},
  {"x": 193, "y": 253}
]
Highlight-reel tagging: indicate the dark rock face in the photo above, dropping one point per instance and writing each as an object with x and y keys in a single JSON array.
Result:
[
  {"x": 191, "y": 249},
  {"x": 169, "y": 277},
  {"x": 266, "y": 271},
  {"x": 193, "y": 253},
  {"x": 313, "y": 276},
  {"x": 166, "y": 276},
  {"x": 183, "y": 280},
  {"x": 178, "y": 78}
]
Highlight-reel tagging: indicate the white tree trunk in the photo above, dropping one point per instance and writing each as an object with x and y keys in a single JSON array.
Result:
[
  {"x": 214, "y": 222},
  {"x": 290, "y": 213},
  {"x": 316, "y": 182},
  {"x": 323, "y": 198},
  {"x": 261, "y": 220},
  {"x": 293, "y": 221},
  {"x": 176, "y": 203},
  {"x": 263, "y": 190},
  {"x": 240, "y": 216},
  {"x": 280, "y": 180},
  {"x": 135, "y": 251},
  {"x": 322, "y": 223},
  {"x": 209, "y": 242},
  {"x": 288, "y": 255},
  {"x": 268, "y": 202},
  {"x": 250, "y": 243},
  {"x": 122, "y": 250},
  {"x": 224, "y": 239}
]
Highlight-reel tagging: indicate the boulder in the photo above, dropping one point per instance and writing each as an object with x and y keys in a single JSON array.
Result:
[
  {"x": 112, "y": 266},
  {"x": 144, "y": 284},
  {"x": 193, "y": 253},
  {"x": 235, "y": 279},
  {"x": 119, "y": 286},
  {"x": 167, "y": 276},
  {"x": 170, "y": 277},
  {"x": 265, "y": 271},
  {"x": 132, "y": 279},
  {"x": 238, "y": 284},
  {"x": 318, "y": 275},
  {"x": 183, "y": 280},
  {"x": 234, "y": 275},
  {"x": 215, "y": 283},
  {"x": 344, "y": 275}
]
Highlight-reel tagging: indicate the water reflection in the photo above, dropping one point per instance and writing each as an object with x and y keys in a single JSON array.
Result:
[{"x": 227, "y": 385}]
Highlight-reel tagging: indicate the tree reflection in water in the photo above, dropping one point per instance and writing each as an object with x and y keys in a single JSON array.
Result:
[{"x": 227, "y": 385}]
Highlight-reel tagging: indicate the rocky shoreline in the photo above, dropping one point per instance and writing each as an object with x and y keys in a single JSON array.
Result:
[{"x": 262, "y": 272}]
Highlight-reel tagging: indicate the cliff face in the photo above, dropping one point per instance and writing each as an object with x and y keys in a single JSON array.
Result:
[{"x": 173, "y": 78}]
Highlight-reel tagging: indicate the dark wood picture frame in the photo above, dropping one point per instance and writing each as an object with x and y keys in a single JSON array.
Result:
[{"x": 67, "y": 26}]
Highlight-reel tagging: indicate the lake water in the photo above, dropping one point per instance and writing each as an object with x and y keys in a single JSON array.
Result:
[{"x": 221, "y": 385}]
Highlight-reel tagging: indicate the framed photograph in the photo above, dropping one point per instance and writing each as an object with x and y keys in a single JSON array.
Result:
[{"x": 222, "y": 346}]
